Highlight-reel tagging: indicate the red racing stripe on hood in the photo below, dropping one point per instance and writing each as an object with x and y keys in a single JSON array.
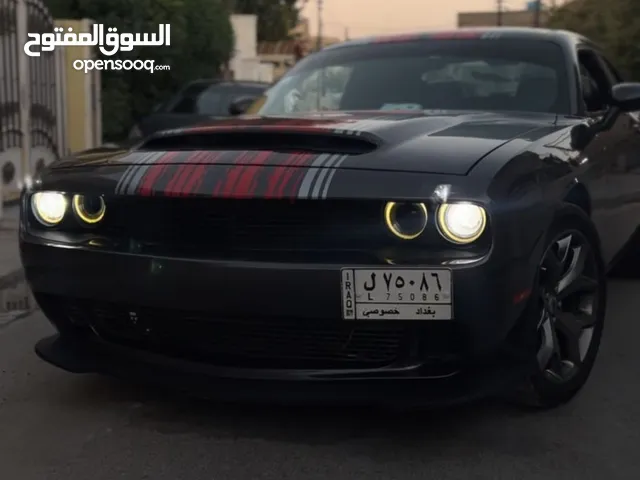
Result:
[
  {"x": 246, "y": 184},
  {"x": 150, "y": 178},
  {"x": 180, "y": 172},
  {"x": 197, "y": 177},
  {"x": 281, "y": 179},
  {"x": 190, "y": 168},
  {"x": 225, "y": 185}
]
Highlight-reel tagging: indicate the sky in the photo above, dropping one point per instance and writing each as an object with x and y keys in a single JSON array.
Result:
[{"x": 374, "y": 17}]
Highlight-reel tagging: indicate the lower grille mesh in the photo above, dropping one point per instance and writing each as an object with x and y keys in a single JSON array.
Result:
[{"x": 252, "y": 343}]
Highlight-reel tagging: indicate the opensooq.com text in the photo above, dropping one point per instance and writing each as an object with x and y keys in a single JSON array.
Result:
[{"x": 149, "y": 65}]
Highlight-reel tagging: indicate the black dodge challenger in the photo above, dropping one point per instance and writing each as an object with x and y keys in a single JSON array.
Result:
[{"x": 420, "y": 220}]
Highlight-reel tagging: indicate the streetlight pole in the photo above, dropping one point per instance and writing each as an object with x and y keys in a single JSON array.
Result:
[
  {"x": 499, "y": 7},
  {"x": 319, "y": 43}
]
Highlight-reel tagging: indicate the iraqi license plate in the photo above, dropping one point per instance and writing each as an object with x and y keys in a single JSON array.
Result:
[{"x": 396, "y": 294}]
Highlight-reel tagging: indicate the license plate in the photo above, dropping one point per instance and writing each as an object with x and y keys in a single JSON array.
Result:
[{"x": 396, "y": 294}]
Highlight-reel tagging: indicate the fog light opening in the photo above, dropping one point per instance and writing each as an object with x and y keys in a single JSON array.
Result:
[
  {"x": 89, "y": 209},
  {"x": 406, "y": 220}
]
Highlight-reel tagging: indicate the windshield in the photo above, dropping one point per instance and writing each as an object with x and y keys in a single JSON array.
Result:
[
  {"x": 520, "y": 75},
  {"x": 208, "y": 99}
]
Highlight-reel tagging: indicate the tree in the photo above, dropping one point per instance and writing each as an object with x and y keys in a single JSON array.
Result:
[
  {"x": 275, "y": 17},
  {"x": 614, "y": 25},
  {"x": 201, "y": 43}
]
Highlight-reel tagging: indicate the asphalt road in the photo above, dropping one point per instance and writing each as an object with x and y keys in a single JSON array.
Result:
[{"x": 55, "y": 425}]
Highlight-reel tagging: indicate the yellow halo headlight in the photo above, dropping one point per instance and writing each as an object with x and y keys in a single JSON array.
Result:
[
  {"x": 89, "y": 209},
  {"x": 49, "y": 208},
  {"x": 406, "y": 220},
  {"x": 462, "y": 222}
]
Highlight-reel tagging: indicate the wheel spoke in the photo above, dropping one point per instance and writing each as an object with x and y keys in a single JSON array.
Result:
[
  {"x": 575, "y": 322},
  {"x": 564, "y": 248},
  {"x": 581, "y": 284},
  {"x": 569, "y": 291},
  {"x": 552, "y": 267},
  {"x": 549, "y": 346},
  {"x": 571, "y": 326},
  {"x": 574, "y": 266}
]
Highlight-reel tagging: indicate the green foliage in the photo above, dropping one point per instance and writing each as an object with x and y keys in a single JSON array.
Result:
[
  {"x": 201, "y": 43},
  {"x": 614, "y": 25},
  {"x": 275, "y": 17}
]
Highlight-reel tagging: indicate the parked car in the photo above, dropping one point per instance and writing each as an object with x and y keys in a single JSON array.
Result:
[
  {"x": 199, "y": 100},
  {"x": 422, "y": 243}
]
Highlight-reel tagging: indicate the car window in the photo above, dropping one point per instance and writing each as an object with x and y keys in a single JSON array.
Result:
[
  {"x": 595, "y": 82},
  {"x": 185, "y": 101},
  {"x": 212, "y": 101},
  {"x": 244, "y": 91},
  {"x": 207, "y": 99},
  {"x": 613, "y": 71},
  {"x": 441, "y": 74}
]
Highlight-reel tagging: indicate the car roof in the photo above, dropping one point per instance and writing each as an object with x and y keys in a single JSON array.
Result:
[
  {"x": 529, "y": 33},
  {"x": 228, "y": 83}
]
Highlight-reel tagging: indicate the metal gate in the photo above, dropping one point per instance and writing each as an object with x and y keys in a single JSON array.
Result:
[{"x": 30, "y": 103}]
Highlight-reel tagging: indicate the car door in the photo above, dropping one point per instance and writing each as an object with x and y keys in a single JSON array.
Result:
[
  {"x": 628, "y": 163},
  {"x": 625, "y": 175},
  {"x": 604, "y": 153}
]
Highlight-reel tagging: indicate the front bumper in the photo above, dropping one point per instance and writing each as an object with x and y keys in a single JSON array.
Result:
[
  {"x": 404, "y": 387},
  {"x": 487, "y": 348}
]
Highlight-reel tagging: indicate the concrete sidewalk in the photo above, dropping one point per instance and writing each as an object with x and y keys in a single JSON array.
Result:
[{"x": 15, "y": 297}]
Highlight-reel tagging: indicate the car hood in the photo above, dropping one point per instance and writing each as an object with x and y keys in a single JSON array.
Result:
[{"x": 442, "y": 142}]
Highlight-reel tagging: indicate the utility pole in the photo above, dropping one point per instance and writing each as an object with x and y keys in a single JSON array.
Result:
[
  {"x": 319, "y": 44},
  {"x": 536, "y": 13},
  {"x": 346, "y": 33},
  {"x": 499, "y": 9}
]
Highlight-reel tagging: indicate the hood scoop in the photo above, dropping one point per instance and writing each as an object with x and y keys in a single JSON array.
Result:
[{"x": 267, "y": 140}]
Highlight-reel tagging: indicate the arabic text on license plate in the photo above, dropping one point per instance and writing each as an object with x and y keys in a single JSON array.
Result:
[{"x": 396, "y": 294}]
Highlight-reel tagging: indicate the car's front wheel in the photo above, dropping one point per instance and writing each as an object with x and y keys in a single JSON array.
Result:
[{"x": 570, "y": 306}]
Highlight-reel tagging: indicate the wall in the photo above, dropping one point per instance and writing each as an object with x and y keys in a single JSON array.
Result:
[
  {"x": 522, "y": 18},
  {"x": 245, "y": 63},
  {"x": 31, "y": 124},
  {"x": 83, "y": 129},
  {"x": 245, "y": 28}
]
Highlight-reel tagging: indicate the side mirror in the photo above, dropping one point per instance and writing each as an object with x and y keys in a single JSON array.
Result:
[
  {"x": 626, "y": 96},
  {"x": 240, "y": 105}
]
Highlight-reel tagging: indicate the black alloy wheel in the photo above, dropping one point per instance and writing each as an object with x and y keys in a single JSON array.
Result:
[{"x": 570, "y": 307}]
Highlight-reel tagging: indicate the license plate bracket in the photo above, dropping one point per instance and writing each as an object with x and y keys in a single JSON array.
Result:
[{"x": 397, "y": 294}]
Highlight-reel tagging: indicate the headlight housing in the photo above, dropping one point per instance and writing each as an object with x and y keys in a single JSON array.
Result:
[
  {"x": 406, "y": 221},
  {"x": 90, "y": 209},
  {"x": 461, "y": 222},
  {"x": 49, "y": 208}
]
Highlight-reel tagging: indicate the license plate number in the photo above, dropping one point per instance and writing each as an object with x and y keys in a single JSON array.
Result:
[{"x": 396, "y": 294}]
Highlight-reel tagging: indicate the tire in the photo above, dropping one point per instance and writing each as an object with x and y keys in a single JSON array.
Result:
[{"x": 539, "y": 391}]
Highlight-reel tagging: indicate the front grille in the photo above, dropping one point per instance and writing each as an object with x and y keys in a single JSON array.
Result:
[
  {"x": 231, "y": 228},
  {"x": 268, "y": 343}
]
